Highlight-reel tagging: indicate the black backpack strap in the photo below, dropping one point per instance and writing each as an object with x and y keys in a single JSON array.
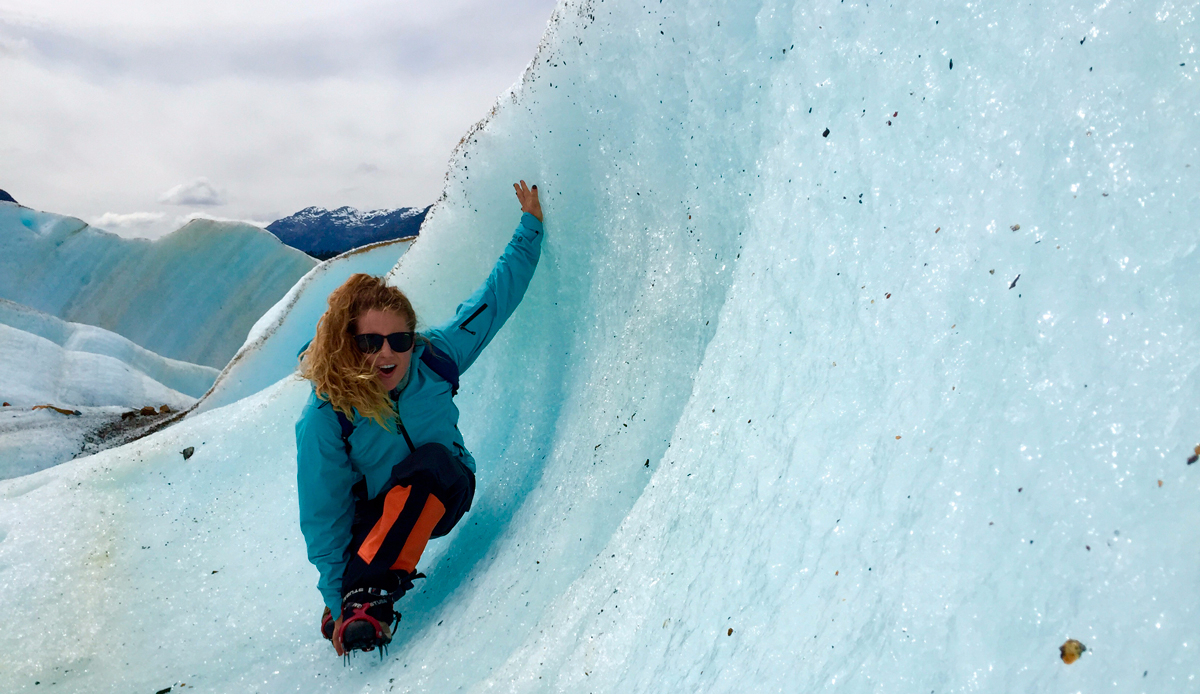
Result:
[
  {"x": 360, "y": 488},
  {"x": 442, "y": 365},
  {"x": 347, "y": 429},
  {"x": 346, "y": 425}
]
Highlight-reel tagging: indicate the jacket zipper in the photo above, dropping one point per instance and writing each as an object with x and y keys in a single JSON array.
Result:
[
  {"x": 400, "y": 427},
  {"x": 463, "y": 325}
]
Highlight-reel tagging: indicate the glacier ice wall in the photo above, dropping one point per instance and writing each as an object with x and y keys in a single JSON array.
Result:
[
  {"x": 749, "y": 430},
  {"x": 191, "y": 295},
  {"x": 793, "y": 242}
]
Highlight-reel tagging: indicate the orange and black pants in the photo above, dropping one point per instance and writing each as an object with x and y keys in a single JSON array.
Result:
[{"x": 426, "y": 495}]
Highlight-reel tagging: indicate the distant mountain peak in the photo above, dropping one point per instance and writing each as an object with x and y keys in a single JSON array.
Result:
[
  {"x": 5, "y": 197},
  {"x": 324, "y": 233}
]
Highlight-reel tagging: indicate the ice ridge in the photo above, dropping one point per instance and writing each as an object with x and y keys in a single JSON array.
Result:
[{"x": 191, "y": 295}]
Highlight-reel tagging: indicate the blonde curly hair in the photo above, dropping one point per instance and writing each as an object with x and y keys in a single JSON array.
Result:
[{"x": 340, "y": 373}]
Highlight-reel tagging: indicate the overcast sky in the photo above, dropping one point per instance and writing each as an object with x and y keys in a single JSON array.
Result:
[{"x": 135, "y": 114}]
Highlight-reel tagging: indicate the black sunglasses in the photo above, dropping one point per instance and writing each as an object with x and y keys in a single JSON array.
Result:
[{"x": 370, "y": 343}]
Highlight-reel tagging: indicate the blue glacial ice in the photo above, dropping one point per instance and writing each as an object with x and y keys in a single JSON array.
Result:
[
  {"x": 776, "y": 413},
  {"x": 191, "y": 380},
  {"x": 191, "y": 295}
]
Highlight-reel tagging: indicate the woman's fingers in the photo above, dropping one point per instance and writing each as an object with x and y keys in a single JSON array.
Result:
[
  {"x": 337, "y": 637},
  {"x": 524, "y": 193},
  {"x": 528, "y": 198}
]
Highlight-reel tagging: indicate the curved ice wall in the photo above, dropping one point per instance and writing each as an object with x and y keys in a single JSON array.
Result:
[
  {"x": 897, "y": 302},
  {"x": 749, "y": 430}
]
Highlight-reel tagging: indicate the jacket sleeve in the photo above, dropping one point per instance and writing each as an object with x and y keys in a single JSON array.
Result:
[
  {"x": 479, "y": 318},
  {"x": 323, "y": 481}
]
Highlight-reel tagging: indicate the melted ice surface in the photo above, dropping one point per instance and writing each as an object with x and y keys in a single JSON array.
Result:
[{"x": 746, "y": 431}]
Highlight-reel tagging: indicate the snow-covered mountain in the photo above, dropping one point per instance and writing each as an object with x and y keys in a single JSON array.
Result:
[
  {"x": 191, "y": 295},
  {"x": 842, "y": 371},
  {"x": 324, "y": 233}
]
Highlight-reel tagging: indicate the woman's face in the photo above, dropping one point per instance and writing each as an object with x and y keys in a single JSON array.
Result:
[{"x": 390, "y": 366}]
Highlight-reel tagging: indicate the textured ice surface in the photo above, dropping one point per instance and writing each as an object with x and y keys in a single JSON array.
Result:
[
  {"x": 136, "y": 547},
  {"x": 81, "y": 368},
  {"x": 270, "y": 350},
  {"x": 92, "y": 389},
  {"x": 36, "y": 371},
  {"x": 190, "y": 295},
  {"x": 190, "y": 379},
  {"x": 32, "y": 440},
  {"x": 746, "y": 433}
]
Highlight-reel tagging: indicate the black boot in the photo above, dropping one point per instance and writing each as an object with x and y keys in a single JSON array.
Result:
[
  {"x": 368, "y": 613},
  {"x": 367, "y": 618}
]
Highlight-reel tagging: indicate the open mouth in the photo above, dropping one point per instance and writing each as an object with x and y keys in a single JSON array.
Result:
[{"x": 387, "y": 370}]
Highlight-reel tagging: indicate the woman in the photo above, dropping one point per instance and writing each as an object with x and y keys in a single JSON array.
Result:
[{"x": 381, "y": 465}]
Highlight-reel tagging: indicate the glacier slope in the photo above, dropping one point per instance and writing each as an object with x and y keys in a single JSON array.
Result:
[
  {"x": 143, "y": 545},
  {"x": 80, "y": 368},
  {"x": 746, "y": 432},
  {"x": 191, "y": 295},
  {"x": 190, "y": 379},
  {"x": 924, "y": 446},
  {"x": 36, "y": 371}
]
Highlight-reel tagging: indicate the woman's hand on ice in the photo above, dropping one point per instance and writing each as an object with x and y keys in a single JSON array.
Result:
[
  {"x": 337, "y": 637},
  {"x": 337, "y": 629},
  {"x": 529, "y": 199}
]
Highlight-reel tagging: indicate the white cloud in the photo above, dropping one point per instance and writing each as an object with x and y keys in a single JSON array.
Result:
[
  {"x": 290, "y": 103},
  {"x": 10, "y": 48},
  {"x": 174, "y": 44},
  {"x": 133, "y": 221},
  {"x": 198, "y": 192}
]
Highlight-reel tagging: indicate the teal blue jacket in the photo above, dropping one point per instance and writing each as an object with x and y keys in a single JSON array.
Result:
[{"x": 325, "y": 474}]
